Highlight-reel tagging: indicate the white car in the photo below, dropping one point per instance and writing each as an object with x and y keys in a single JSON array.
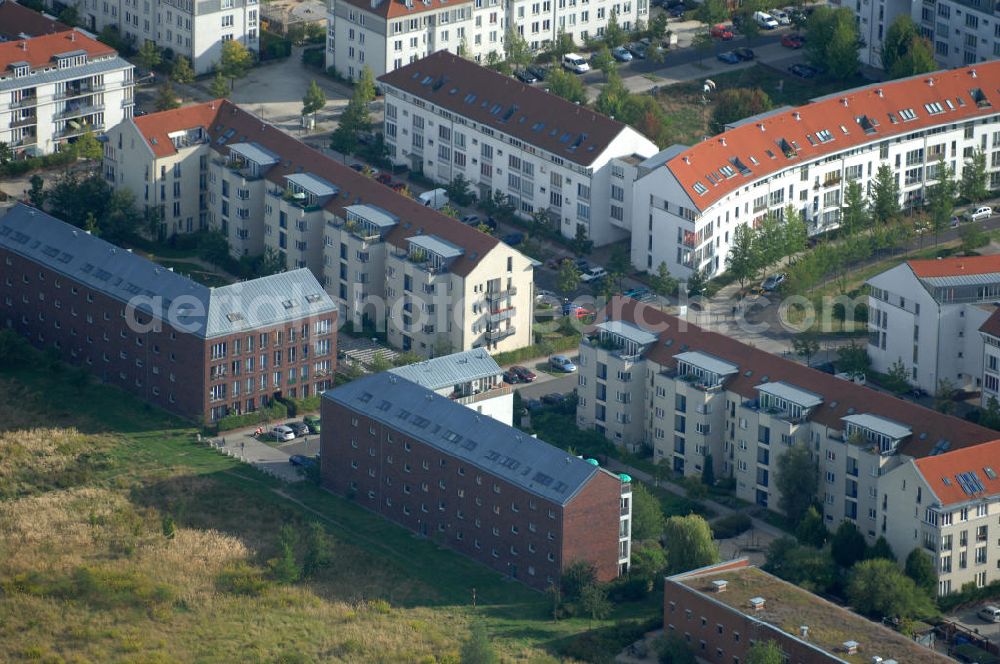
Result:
[
  {"x": 765, "y": 20},
  {"x": 984, "y": 212},
  {"x": 542, "y": 294},
  {"x": 593, "y": 274},
  {"x": 575, "y": 63},
  {"x": 781, "y": 17},
  {"x": 281, "y": 433}
]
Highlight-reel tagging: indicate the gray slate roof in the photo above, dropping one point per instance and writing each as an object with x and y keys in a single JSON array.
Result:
[
  {"x": 482, "y": 441},
  {"x": 449, "y": 370},
  {"x": 200, "y": 310},
  {"x": 89, "y": 69}
]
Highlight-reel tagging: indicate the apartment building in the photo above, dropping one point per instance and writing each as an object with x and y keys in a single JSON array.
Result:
[
  {"x": 722, "y": 610},
  {"x": 474, "y": 484},
  {"x": 805, "y": 157},
  {"x": 197, "y": 351},
  {"x": 962, "y": 32},
  {"x": 385, "y": 35},
  {"x": 949, "y": 505},
  {"x": 193, "y": 29},
  {"x": 448, "y": 116},
  {"x": 436, "y": 285},
  {"x": 926, "y": 315},
  {"x": 58, "y": 86},
  {"x": 19, "y": 22},
  {"x": 472, "y": 378},
  {"x": 989, "y": 331},
  {"x": 651, "y": 380}
]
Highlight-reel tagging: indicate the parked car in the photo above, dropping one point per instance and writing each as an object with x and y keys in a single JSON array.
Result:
[
  {"x": 621, "y": 54},
  {"x": 510, "y": 377},
  {"x": 553, "y": 398},
  {"x": 525, "y": 76},
  {"x": 300, "y": 460},
  {"x": 524, "y": 374},
  {"x": 743, "y": 53},
  {"x": 562, "y": 363},
  {"x": 593, "y": 274},
  {"x": 984, "y": 212},
  {"x": 720, "y": 31},
  {"x": 803, "y": 71},
  {"x": 781, "y": 17},
  {"x": 765, "y": 20},
  {"x": 955, "y": 221},
  {"x": 471, "y": 220},
  {"x": 300, "y": 428},
  {"x": 990, "y": 613},
  {"x": 677, "y": 11},
  {"x": 570, "y": 309},
  {"x": 575, "y": 63},
  {"x": 728, "y": 57},
  {"x": 640, "y": 294},
  {"x": 542, "y": 294},
  {"x": 537, "y": 71},
  {"x": 792, "y": 41},
  {"x": 773, "y": 281},
  {"x": 638, "y": 50},
  {"x": 513, "y": 239},
  {"x": 581, "y": 264},
  {"x": 281, "y": 433},
  {"x": 533, "y": 405},
  {"x": 358, "y": 167},
  {"x": 383, "y": 178},
  {"x": 313, "y": 422}
]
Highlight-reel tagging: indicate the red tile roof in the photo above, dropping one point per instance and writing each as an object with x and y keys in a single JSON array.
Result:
[
  {"x": 400, "y": 9},
  {"x": 840, "y": 397},
  {"x": 16, "y": 20},
  {"x": 39, "y": 51},
  {"x": 955, "y": 267},
  {"x": 227, "y": 123},
  {"x": 531, "y": 114},
  {"x": 941, "y": 472},
  {"x": 992, "y": 324},
  {"x": 878, "y": 106},
  {"x": 155, "y": 126}
]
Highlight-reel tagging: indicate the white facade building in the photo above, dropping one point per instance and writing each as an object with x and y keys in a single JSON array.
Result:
[
  {"x": 692, "y": 397},
  {"x": 195, "y": 29},
  {"x": 990, "y": 384},
  {"x": 926, "y": 315},
  {"x": 388, "y": 34},
  {"x": 472, "y": 378},
  {"x": 434, "y": 284},
  {"x": 805, "y": 157},
  {"x": 448, "y": 116},
  {"x": 56, "y": 87}
]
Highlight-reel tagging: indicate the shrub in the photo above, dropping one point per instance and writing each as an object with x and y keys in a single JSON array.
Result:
[
  {"x": 241, "y": 579},
  {"x": 547, "y": 347},
  {"x": 276, "y": 411},
  {"x": 110, "y": 589},
  {"x": 731, "y": 526},
  {"x": 314, "y": 57}
]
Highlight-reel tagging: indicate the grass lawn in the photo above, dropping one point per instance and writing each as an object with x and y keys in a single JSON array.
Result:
[{"x": 88, "y": 574}]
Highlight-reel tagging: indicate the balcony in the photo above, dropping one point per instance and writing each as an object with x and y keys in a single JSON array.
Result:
[
  {"x": 25, "y": 101},
  {"x": 694, "y": 381},
  {"x": 502, "y": 314},
  {"x": 832, "y": 181},
  {"x": 82, "y": 129},
  {"x": 614, "y": 348},
  {"x": 497, "y": 334},
  {"x": 500, "y": 294},
  {"x": 776, "y": 413},
  {"x": 79, "y": 110},
  {"x": 690, "y": 240},
  {"x": 24, "y": 122},
  {"x": 79, "y": 91},
  {"x": 482, "y": 396}
]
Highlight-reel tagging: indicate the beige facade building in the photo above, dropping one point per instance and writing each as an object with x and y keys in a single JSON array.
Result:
[
  {"x": 693, "y": 397},
  {"x": 437, "y": 285}
]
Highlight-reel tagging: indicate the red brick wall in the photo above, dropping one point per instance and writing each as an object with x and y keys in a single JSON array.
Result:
[
  {"x": 591, "y": 522},
  {"x": 453, "y": 489}
]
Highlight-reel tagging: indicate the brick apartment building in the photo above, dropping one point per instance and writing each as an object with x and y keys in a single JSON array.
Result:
[
  {"x": 487, "y": 490},
  {"x": 721, "y": 610},
  {"x": 197, "y": 351}
]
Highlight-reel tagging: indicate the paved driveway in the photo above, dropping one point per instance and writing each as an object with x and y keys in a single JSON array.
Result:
[{"x": 269, "y": 459}]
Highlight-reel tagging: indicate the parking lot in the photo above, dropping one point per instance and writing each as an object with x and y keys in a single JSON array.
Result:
[{"x": 970, "y": 619}]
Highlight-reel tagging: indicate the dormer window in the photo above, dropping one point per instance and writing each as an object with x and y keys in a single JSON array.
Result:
[{"x": 883, "y": 433}]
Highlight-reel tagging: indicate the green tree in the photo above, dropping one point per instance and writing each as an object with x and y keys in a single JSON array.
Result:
[
  {"x": 689, "y": 543},
  {"x": 944, "y": 396},
  {"x": 613, "y": 33},
  {"x": 577, "y": 576},
  {"x": 604, "y": 61},
  {"x": 562, "y": 45},
  {"x": 920, "y": 568},
  {"x": 150, "y": 56},
  {"x": 797, "y": 482},
  {"x": 181, "y": 72},
  {"x": 613, "y": 97},
  {"x": 284, "y": 568},
  {"x": 711, "y": 12},
  {"x": 973, "y": 186},
  {"x": 594, "y": 602},
  {"x": 218, "y": 88},
  {"x": 853, "y": 358},
  {"x": 742, "y": 262},
  {"x": 805, "y": 346},
  {"x": 810, "y": 529},
  {"x": 168, "y": 527},
  {"x": 663, "y": 283},
  {"x": 973, "y": 237},
  {"x": 354, "y": 120},
  {"x": 460, "y": 191},
  {"x": 167, "y": 99},
  {"x": 765, "y": 652},
  {"x": 854, "y": 213},
  {"x": 647, "y": 514},
  {"x": 897, "y": 378},
  {"x": 380, "y": 362},
  {"x": 696, "y": 283},
  {"x": 6, "y": 153},
  {"x": 581, "y": 245},
  {"x": 847, "y": 545},
  {"x": 702, "y": 44},
  {"x": 940, "y": 199},
  {"x": 314, "y": 99},
  {"x": 885, "y": 195},
  {"x": 37, "y": 192},
  {"x": 364, "y": 87},
  {"x": 833, "y": 42},
  {"x": 478, "y": 649},
  {"x": 318, "y": 550},
  {"x": 14, "y": 349},
  {"x": 734, "y": 104},
  {"x": 673, "y": 649},
  {"x": 877, "y": 588},
  {"x": 236, "y": 61},
  {"x": 517, "y": 49},
  {"x": 648, "y": 561},
  {"x": 880, "y": 549},
  {"x": 904, "y": 51},
  {"x": 991, "y": 414},
  {"x": 805, "y": 566},
  {"x": 568, "y": 86},
  {"x": 795, "y": 235}
]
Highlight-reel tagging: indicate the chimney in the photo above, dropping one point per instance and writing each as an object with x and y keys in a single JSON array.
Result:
[
  {"x": 723, "y": 140},
  {"x": 843, "y": 100},
  {"x": 24, "y": 46},
  {"x": 930, "y": 82},
  {"x": 761, "y": 125},
  {"x": 797, "y": 115},
  {"x": 879, "y": 92},
  {"x": 756, "y": 603},
  {"x": 72, "y": 35},
  {"x": 851, "y": 647},
  {"x": 973, "y": 73},
  {"x": 687, "y": 159},
  {"x": 804, "y": 631},
  {"x": 720, "y": 585}
]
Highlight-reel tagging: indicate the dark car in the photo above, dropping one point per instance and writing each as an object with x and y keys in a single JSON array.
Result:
[
  {"x": 490, "y": 223},
  {"x": 397, "y": 186},
  {"x": 533, "y": 404},
  {"x": 510, "y": 377},
  {"x": 298, "y": 428},
  {"x": 300, "y": 460},
  {"x": 792, "y": 41},
  {"x": 524, "y": 374},
  {"x": 638, "y": 50},
  {"x": 641, "y": 294},
  {"x": 581, "y": 264},
  {"x": 537, "y": 71},
  {"x": 383, "y": 178},
  {"x": 728, "y": 57},
  {"x": 358, "y": 167},
  {"x": 525, "y": 76},
  {"x": 553, "y": 398},
  {"x": 743, "y": 53},
  {"x": 676, "y": 11},
  {"x": 313, "y": 422},
  {"x": 513, "y": 239},
  {"x": 803, "y": 71}
]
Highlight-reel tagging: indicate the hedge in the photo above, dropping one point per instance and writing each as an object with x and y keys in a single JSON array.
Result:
[
  {"x": 22, "y": 166},
  {"x": 542, "y": 349},
  {"x": 300, "y": 406},
  {"x": 276, "y": 411},
  {"x": 731, "y": 526}
]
